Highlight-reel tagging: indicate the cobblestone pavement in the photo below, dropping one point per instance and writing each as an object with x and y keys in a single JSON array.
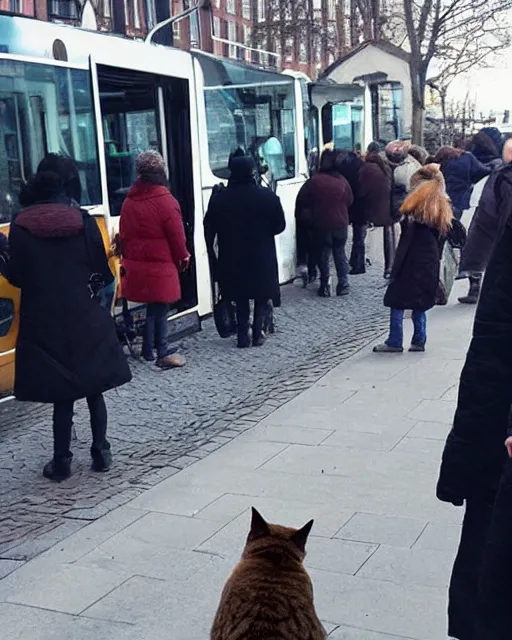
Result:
[{"x": 163, "y": 421}]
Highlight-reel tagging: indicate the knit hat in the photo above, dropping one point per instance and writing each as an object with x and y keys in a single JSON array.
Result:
[
  {"x": 150, "y": 163},
  {"x": 397, "y": 150}
]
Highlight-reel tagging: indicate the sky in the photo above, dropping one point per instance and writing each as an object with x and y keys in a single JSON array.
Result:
[{"x": 491, "y": 88}]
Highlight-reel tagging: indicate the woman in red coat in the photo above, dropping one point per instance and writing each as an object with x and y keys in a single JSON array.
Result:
[{"x": 154, "y": 252}]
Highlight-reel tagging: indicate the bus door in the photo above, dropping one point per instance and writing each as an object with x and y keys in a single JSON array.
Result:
[{"x": 142, "y": 111}]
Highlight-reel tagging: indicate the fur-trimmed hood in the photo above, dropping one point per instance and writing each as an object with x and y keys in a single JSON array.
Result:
[{"x": 54, "y": 220}]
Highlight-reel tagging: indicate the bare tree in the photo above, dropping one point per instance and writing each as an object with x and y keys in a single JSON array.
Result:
[{"x": 460, "y": 34}]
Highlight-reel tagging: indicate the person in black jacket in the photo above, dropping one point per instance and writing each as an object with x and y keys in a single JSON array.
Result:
[
  {"x": 482, "y": 233},
  {"x": 415, "y": 273},
  {"x": 349, "y": 165},
  {"x": 245, "y": 218},
  {"x": 474, "y": 456},
  {"x": 67, "y": 347},
  {"x": 495, "y": 584}
]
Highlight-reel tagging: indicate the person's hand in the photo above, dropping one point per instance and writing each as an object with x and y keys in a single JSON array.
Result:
[
  {"x": 185, "y": 263},
  {"x": 508, "y": 444}
]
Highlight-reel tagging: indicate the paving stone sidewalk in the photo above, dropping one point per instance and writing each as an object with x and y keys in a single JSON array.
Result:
[
  {"x": 162, "y": 421},
  {"x": 358, "y": 451}
]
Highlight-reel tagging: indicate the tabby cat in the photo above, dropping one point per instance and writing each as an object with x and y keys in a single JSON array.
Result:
[{"x": 269, "y": 595}]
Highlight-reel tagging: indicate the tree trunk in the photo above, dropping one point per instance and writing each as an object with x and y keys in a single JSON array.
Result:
[
  {"x": 418, "y": 86},
  {"x": 418, "y": 123},
  {"x": 444, "y": 134}
]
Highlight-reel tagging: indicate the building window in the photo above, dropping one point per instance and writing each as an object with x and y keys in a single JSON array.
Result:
[
  {"x": 15, "y": 6},
  {"x": 216, "y": 27},
  {"x": 247, "y": 36},
  {"x": 303, "y": 53},
  {"x": 246, "y": 9},
  {"x": 261, "y": 10},
  {"x": 107, "y": 9},
  {"x": 231, "y": 7},
  {"x": 232, "y": 38},
  {"x": 194, "y": 30},
  {"x": 66, "y": 9}
]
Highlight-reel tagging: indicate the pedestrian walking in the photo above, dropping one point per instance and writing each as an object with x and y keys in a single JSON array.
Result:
[
  {"x": 486, "y": 146},
  {"x": 374, "y": 189},
  {"x": 67, "y": 347},
  {"x": 349, "y": 165},
  {"x": 482, "y": 233},
  {"x": 154, "y": 252},
  {"x": 324, "y": 201},
  {"x": 461, "y": 172},
  {"x": 474, "y": 457},
  {"x": 415, "y": 274},
  {"x": 244, "y": 219},
  {"x": 402, "y": 166}
]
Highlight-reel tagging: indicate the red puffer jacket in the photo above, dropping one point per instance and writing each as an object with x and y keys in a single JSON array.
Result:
[{"x": 153, "y": 244}]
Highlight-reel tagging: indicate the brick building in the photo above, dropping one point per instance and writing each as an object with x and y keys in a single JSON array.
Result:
[{"x": 306, "y": 35}]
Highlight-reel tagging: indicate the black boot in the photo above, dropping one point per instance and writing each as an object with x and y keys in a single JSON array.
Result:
[
  {"x": 325, "y": 289},
  {"x": 474, "y": 291},
  {"x": 101, "y": 458},
  {"x": 58, "y": 469},
  {"x": 261, "y": 311},
  {"x": 243, "y": 309}
]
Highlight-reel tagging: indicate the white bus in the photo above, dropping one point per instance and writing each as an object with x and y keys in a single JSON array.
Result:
[{"x": 102, "y": 99}]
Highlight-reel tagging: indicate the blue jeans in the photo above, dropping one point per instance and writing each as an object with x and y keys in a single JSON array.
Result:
[
  {"x": 396, "y": 328},
  {"x": 155, "y": 330}
]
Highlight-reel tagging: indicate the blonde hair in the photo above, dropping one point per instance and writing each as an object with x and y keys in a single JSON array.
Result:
[{"x": 428, "y": 202}]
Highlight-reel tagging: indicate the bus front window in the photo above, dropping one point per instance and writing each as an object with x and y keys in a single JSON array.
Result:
[
  {"x": 252, "y": 109},
  {"x": 44, "y": 109}
]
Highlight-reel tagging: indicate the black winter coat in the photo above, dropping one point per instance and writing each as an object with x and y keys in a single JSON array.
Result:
[
  {"x": 474, "y": 454},
  {"x": 245, "y": 218},
  {"x": 496, "y": 571},
  {"x": 415, "y": 274},
  {"x": 460, "y": 175},
  {"x": 349, "y": 169},
  {"x": 67, "y": 345},
  {"x": 482, "y": 231}
]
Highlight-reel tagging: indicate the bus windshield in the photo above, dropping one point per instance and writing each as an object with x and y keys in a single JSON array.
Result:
[
  {"x": 43, "y": 109},
  {"x": 251, "y": 109}
]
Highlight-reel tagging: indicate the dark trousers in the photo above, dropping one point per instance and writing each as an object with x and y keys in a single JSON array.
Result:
[
  {"x": 63, "y": 426},
  {"x": 306, "y": 254},
  {"x": 357, "y": 255},
  {"x": 464, "y": 613},
  {"x": 155, "y": 330},
  {"x": 335, "y": 242},
  {"x": 389, "y": 236},
  {"x": 243, "y": 313}
]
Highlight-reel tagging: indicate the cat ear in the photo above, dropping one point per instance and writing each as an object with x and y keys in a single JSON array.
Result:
[
  {"x": 259, "y": 528},
  {"x": 300, "y": 537}
]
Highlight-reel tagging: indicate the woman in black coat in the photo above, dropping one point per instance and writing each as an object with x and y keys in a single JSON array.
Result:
[
  {"x": 67, "y": 346},
  {"x": 474, "y": 455},
  {"x": 349, "y": 166},
  {"x": 415, "y": 272},
  {"x": 245, "y": 218}
]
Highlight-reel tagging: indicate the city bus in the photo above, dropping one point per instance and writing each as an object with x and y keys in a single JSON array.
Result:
[{"x": 102, "y": 99}]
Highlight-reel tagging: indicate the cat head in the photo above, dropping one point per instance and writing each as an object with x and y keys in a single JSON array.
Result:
[{"x": 273, "y": 537}]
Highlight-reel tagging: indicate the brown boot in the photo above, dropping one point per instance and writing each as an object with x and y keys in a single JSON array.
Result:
[{"x": 172, "y": 361}]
